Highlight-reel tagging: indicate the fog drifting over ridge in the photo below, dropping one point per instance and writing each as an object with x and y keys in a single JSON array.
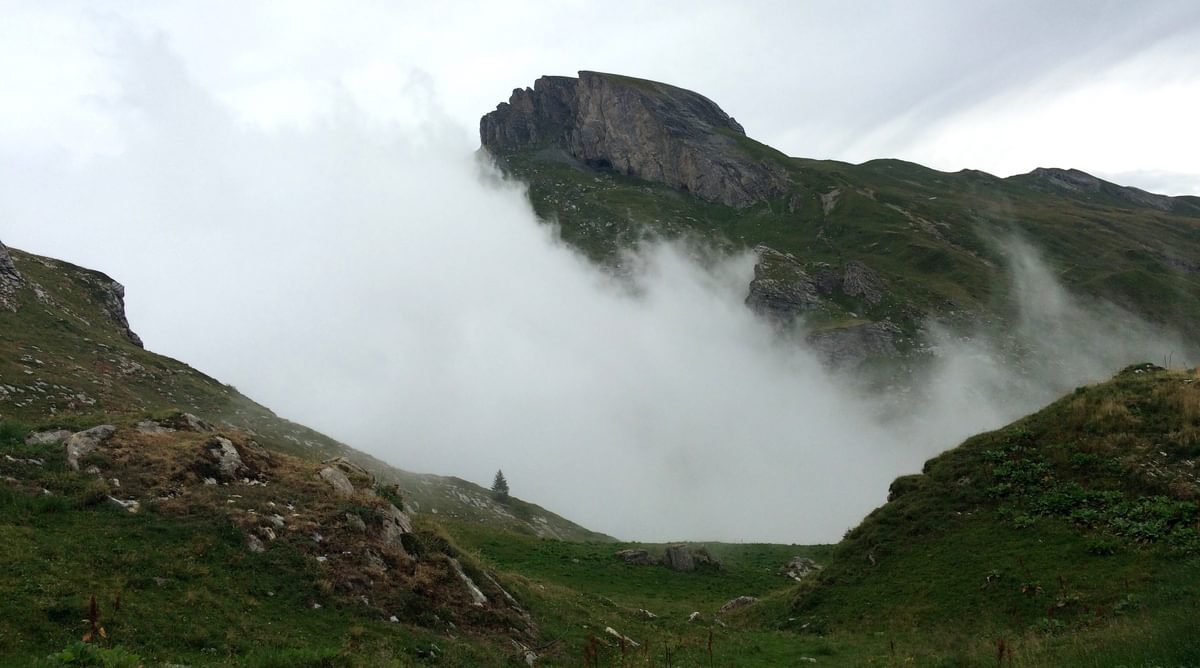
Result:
[{"x": 382, "y": 285}]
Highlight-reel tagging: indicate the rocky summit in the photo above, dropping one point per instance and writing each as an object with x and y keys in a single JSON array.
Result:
[{"x": 640, "y": 128}]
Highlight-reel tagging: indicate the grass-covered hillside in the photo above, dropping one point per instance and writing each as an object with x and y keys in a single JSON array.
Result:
[
  {"x": 180, "y": 543},
  {"x": 68, "y": 359},
  {"x": 932, "y": 242},
  {"x": 1071, "y": 537}
]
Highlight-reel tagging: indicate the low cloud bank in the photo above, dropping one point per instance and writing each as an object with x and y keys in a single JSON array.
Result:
[{"x": 381, "y": 285}]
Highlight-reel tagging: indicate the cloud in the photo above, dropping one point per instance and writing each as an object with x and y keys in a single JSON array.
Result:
[
  {"x": 379, "y": 283},
  {"x": 998, "y": 86}
]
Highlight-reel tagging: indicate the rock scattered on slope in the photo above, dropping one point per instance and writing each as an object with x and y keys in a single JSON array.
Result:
[
  {"x": 222, "y": 452},
  {"x": 739, "y": 602},
  {"x": 82, "y": 444},
  {"x": 356, "y": 523},
  {"x": 621, "y": 637},
  {"x": 395, "y": 525},
  {"x": 188, "y": 422},
  {"x": 152, "y": 427},
  {"x": 799, "y": 568},
  {"x": 47, "y": 437},
  {"x": 477, "y": 595},
  {"x": 337, "y": 480}
]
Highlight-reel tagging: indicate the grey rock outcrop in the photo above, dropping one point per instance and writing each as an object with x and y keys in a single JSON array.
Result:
[
  {"x": 47, "y": 437},
  {"x": 784, "y": 288},
  {"x": 353, "y": 472},
  {"x": 859, "y": 281},
  {"x": 337, "y": 480},
  {"x": 640, "y": 128},
  {"x": 781, "y": 289},
  {"x": 226, "y": 457},
  {"x": 395, "y": 525},
  {"x": 739, "y": 602},
  {"x": 112, "y": 300},
  {"x": 477, "y": 596},
  {"x": 356, "y": 523},
  {"x": 82, "y": 444},
  {"x": 637, "y": 557},
  {"x": 851, "y": 346},
  {"x": 679, "y": 558},
  {"x": 682, "y": 558},
  {"x": 799, "y": 568},
  {"x": 152, "y": 427},
  {"x": 10, "y": 280},
  {"x": 188, "y": 422}
]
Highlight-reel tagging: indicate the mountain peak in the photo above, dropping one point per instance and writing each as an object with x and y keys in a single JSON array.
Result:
[{"x": 637, "y": 127}]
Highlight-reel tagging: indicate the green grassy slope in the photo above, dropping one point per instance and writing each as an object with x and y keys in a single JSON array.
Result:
[
  {"x": 932, "y": 236},
  {"x": 176, "y": 582},
  {"x": 1072, "y": 534}
]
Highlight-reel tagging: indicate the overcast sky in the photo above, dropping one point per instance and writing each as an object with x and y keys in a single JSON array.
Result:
[
  {"x": 289, "y": 194},
  {"x": 1110, "y": 87}
]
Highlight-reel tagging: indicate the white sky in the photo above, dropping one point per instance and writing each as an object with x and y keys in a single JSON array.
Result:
[
  {"x": 1112, "y": 88},
  {"x": 288, "y": 193}
]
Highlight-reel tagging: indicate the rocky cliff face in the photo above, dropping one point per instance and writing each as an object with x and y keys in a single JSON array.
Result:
[
  {"x": 640, "y": 128},
  {"x": 111, "y": 297},
  {"x": 10, "y": 280}
]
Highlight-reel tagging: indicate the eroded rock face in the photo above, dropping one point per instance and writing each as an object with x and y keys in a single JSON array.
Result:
[
  {"x": 10, "y": 281},
  {"x": 82, "y": 444},
  {"x": 640, "y": 128}
]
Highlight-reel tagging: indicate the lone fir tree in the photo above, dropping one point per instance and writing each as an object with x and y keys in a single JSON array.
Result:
[{"x": 500, "y": 487}]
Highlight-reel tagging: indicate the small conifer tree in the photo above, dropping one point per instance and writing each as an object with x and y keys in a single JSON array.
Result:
[{"x": 500, "y": 487}]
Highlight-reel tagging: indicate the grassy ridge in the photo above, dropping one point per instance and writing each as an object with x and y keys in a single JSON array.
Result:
[
  {"x": 931, "y": 235},
  {"x": 64, "y": 362},
  {"x": 1078, "y": 522}
]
